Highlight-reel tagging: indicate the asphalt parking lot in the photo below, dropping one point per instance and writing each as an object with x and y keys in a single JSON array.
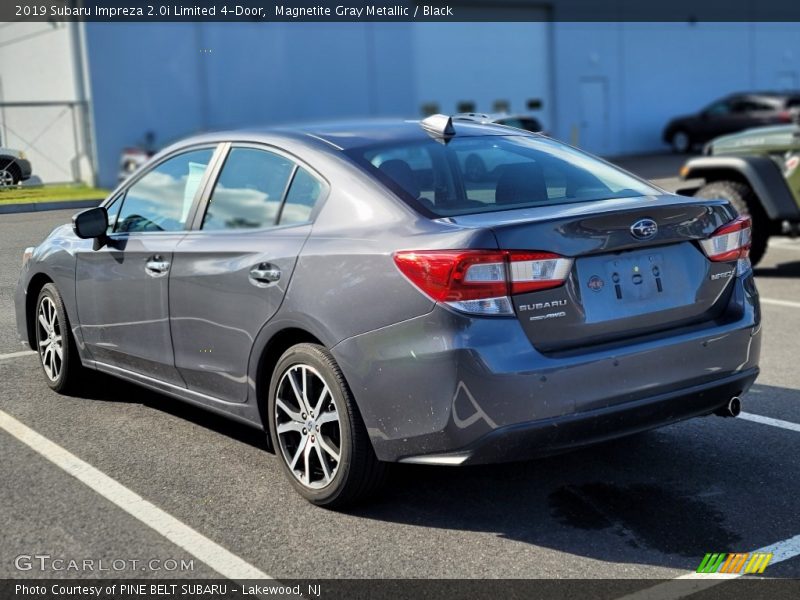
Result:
[{"x": 647, "y": 507}]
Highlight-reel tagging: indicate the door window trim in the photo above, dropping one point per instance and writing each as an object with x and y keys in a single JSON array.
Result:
[
  {"x": 202, "y": 207},
  {"x": 202, "y": 188}
]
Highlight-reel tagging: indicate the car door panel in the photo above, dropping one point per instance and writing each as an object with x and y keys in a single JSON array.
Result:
[
  {"x": 229, "y": 276},
  {"x": 124, "y": 305},
  {"x": 122, "y": 288},
  {"x": 222, "y": 292}
]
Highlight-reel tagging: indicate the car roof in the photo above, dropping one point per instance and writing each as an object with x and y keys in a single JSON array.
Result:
[{"x": 347, "y": 135}]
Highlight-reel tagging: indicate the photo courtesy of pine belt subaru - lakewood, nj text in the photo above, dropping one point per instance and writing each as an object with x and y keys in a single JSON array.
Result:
[{"x": 358, "y": 293}]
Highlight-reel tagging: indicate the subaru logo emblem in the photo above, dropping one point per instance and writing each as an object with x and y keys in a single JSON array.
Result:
[{"x": 644, "y": 229}]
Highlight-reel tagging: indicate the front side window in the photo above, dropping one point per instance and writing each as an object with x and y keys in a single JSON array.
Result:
[
  {"x": 162, "y": 198},
  {"x": 249, "y": 191},
  {"x": 488, "y": 173}
]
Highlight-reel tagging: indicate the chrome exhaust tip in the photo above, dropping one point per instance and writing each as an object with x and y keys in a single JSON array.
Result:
[{"x": 732, "y": 409}]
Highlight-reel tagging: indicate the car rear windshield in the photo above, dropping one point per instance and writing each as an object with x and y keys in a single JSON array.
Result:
[{"x": 487, "y": 173}]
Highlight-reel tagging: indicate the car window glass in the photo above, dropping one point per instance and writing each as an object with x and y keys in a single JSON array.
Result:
[
  {"x": 479, "y": 174},
  {"x": 522, "y": 123},
  {"x": 249, "y": 190},
  {"x": 112, "y": 210},
  {"x": 303, "y": 195},
  {"x": 718, "y": 109},
  {"x": 162, "y": 198}
]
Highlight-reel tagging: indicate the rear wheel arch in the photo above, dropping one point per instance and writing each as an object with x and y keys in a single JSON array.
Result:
[
  {"x": 268, "y": 359},
  {"x": 760, "y": 173}
]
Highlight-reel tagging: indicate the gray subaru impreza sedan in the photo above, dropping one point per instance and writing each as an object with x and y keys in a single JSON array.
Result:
[{"x": 358, "y": 293}]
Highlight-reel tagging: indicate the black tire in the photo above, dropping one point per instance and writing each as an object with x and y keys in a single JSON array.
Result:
[
  {"x": 744, "y": 200},
  {"x": 358, "y": 473},
  {"x": 681, "y": 141},
  {"x": 70, "y": 372}
]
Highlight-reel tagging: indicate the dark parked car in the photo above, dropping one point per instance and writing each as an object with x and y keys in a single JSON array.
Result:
[
  {"x": 729, "y": 115},
  {"x": 312, "y": 283},
  {"x": 14, "y": 167},
  {"x": 520, "y": 121}
]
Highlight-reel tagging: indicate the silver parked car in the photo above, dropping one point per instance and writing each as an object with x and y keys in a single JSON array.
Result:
[{"x": 347, "y": 289}]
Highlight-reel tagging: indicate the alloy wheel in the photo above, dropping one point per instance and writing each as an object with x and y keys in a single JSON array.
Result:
[
  {"x": 50, "y": 339},
  {"x": 6, "y": 178},
  {"x": 307, "y": 426}
]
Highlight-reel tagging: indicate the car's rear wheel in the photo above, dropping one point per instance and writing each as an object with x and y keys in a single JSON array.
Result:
[
  {"x": 58, "y": 355},
  {"x": 744, "y": 200},
  {"x": 681, "y": 141},
  {"x": 317, "y": 432}
]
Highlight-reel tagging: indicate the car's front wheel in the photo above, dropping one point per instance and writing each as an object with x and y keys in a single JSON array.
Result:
[
  {"x": 317, "y": 432},
  {"x": 9, "y": 176},
  {"x": 58, "y": 355}
]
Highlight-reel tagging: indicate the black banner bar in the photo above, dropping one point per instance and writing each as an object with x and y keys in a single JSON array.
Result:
[
  {"x": 401, "y": 10},
  {"x": 755, "y": 588}
]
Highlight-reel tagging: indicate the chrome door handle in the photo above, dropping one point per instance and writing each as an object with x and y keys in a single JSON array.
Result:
[
  {"x": 156, "y": 267},
  {"x": 265, "y": 274}
]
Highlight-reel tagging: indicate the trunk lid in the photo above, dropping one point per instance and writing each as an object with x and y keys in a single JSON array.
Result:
[{"x": 637, "y": 267}]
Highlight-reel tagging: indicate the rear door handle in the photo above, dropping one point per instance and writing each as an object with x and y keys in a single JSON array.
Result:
[
  {"x": 264, "y": 274},
  {"x": 157, "y": 266}
]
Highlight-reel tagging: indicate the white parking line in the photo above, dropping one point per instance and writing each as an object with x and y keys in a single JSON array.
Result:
[
  {"x": 17, "y": 354},
  {"x": 769, "y": 421},
  {"x": 212, "y": 554},
  {"x": 679, "y": 588},
  {"x": 777, "y": 302}
]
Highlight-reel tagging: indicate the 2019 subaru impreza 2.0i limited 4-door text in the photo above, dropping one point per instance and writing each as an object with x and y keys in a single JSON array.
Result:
[{"x": 346, "y": 288}]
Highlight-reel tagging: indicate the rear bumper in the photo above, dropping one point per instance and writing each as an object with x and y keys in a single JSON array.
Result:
[
  {"x": 445, "y": 384},
  {"x": 550, "y": 436}
]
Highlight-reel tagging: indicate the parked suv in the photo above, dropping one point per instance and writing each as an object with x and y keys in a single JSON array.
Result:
[
  {"x": 312, "y": 283},
  {"x": 730, "y": 115},
  {"x": 757, "y": 172}
]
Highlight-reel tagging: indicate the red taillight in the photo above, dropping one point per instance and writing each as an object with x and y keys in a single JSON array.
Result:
[
  {"x": 729, "y": 242},
  {"x": 449, "y": 275},
  {"x": 785, "y": 116},
  {"x": 481, "y": 281}
]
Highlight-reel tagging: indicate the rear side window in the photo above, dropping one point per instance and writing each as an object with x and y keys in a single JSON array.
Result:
[
  {"x": 488, "y": 173},
  {"x": 249, "y": 190},
  {"x": 162, "y": 198},
  {"x": 303, "y": 195}
]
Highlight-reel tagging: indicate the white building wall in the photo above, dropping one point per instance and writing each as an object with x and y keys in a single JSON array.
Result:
[
  {"x": 656, "y": 71},
  {"x": 40, "y": 84}
]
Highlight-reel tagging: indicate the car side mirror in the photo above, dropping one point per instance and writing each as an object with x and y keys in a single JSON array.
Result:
[{"x": 91, "y": 224}]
